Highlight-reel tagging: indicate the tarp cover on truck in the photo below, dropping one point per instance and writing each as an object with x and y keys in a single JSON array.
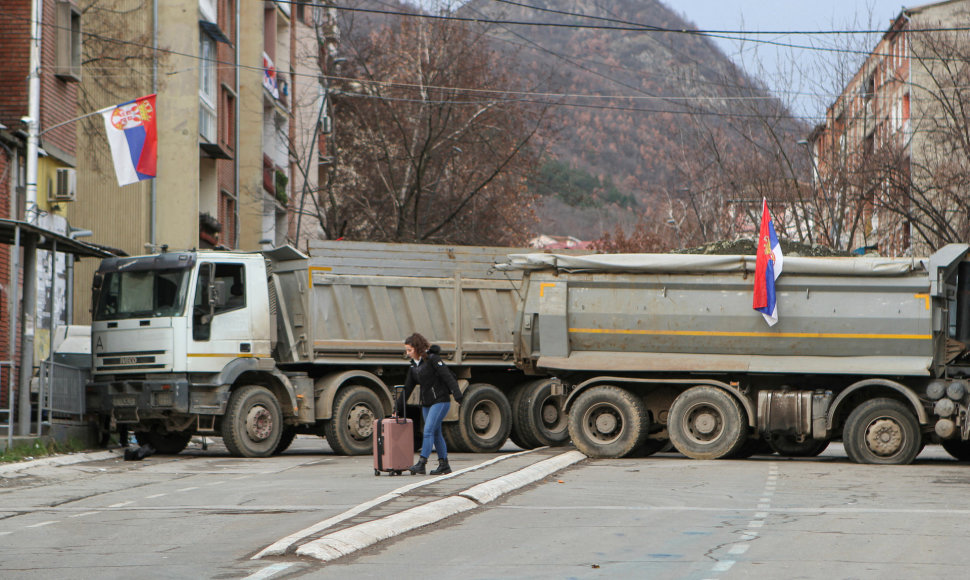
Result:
[{"x": 687, "y": 263}]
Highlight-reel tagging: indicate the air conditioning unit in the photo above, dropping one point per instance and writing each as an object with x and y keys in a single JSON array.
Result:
[{"x": 65, "y": 187}]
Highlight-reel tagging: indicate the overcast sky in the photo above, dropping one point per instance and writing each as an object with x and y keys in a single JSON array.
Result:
[{"x": 807, "y": 79}]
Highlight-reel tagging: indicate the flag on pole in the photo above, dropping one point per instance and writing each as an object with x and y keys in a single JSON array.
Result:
[
  {"x": 767, "y": 268},
  {"x": 133, "y": 138}
]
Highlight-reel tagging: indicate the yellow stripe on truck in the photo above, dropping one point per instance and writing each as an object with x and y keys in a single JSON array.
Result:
[{"x": 753, "y": 334}]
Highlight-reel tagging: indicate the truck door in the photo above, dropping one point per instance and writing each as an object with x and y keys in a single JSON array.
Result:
[{"x": 221, "y": 322}]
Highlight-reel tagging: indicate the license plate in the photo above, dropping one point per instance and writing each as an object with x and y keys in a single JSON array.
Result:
[
  {"x": 124, "y": 401},
  {"x": 128, "y": 360}
]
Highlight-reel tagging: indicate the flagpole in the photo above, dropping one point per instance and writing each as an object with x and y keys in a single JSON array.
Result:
[{"x": 75, "y": 119}]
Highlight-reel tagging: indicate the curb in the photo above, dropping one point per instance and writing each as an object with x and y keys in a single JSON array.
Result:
[
  {"x": 350, "y": 540},
  {"x": 70, "y": 459}
]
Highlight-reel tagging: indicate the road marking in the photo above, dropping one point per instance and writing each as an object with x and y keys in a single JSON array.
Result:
[
  {"x": 215, "y": 483},
  {"x": 739, "y": 549},
  {"x": 186, "y": 489},
  {"x": 756, "y": 523},
  {"x": 122, "y": 504},
  {"x": 5, "y": 533},
  {"x": 268, "y": 572},
  {"x": 723, "y": 566},
  {"x": 81, "y": 515},
  {"x": 47, "y": 523},
  {"x": 280, "y": 547},
  {"x": 156, "y": 495}
]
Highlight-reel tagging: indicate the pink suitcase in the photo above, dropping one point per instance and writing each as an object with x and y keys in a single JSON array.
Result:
[{"x": 393, "y": 445}]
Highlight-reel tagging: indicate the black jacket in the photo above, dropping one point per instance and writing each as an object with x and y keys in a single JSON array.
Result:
[{"x": 436, "y": 380}]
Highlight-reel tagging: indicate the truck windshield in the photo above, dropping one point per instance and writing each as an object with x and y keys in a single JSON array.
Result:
[{"x": 142, "y": 294}]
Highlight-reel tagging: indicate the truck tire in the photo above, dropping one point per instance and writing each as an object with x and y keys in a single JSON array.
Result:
[
  {"x": 164, "y": 443},
  {"x": 608, "y": 422},
  {"x": 706, "y": 423},
  {"x": 517, "y": 435},
  {"x": 453, "y": 438},
  {"x": 540, "y": 416},
  {"x": 788, "y": 446},
  {"x": 958, "y": 449},
  {"x": 253, "y": 422},
  {"x": 351, "y": 428},
  {"x": 484, "y": 418},
  {"x": 286, "y": 439},
  {"x": 882, "y": 431}
]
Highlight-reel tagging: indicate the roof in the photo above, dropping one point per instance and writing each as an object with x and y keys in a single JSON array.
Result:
[{"x": 48, "y": 240}]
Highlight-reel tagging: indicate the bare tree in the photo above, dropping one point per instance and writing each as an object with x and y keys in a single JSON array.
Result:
[{"x": 428, "y": 145}]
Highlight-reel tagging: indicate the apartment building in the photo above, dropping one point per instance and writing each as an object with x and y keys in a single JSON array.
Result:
[
  {"x": 224, "y": 72},
  {"x": 879, "y": 155}
]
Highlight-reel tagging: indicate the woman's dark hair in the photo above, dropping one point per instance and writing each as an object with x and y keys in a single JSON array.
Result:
[{"x": 419, "y": 343}]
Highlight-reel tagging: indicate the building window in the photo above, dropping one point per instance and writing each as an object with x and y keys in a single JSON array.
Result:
[
  {"x": 207, "y": 88},
  {"x": 68, "y": 58},
  {"x": 228, "y": 118}
]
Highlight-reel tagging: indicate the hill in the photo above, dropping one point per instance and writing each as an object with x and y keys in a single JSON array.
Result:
[{"x": 632, "y": 106}]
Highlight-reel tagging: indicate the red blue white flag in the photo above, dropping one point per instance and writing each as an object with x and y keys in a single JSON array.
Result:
[
  {"x": 767, "y": 268},
  {"x": 133, "y": 137}
]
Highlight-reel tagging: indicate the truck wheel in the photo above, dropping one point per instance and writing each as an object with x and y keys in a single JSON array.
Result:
[
  {"x": 286, "y": 439},
  {"x": 253, "y": 422},
  {"x": 540, "y": 416},
  {"x": 164, "y": 443},
  {"x": 960, "y": 450},
  {"x": 608, "y": 421},
  {"x": 351, "y": 428},
  {"x": 706, "y": 423},
  {"x": 517, "y": 435},
  {"x": 788, "y": 446},
  {"x": 453, "y": 438},
  {"x": 484, "y": 418},
  {"x": 882, "y": 431}
]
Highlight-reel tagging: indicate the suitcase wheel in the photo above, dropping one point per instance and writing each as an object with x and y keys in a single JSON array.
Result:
[{"x": 377, "y": 472}]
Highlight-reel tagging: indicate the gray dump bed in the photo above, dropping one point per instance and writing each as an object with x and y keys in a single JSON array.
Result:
[
  {"x": 657, "y": 313},
  {"x": 356, "y": 302}
]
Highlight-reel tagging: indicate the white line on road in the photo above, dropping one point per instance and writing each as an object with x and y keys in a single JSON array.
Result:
[
  {"x": 81, "y": 515},
  {"x": 268, "y": 572},
  {"x": 186, "y": 489},
  {"x": 280, "y": 546},
  {"x": 122, "y": 504},
  {"x": 723, "y": 566},
  {"x": 739, "y": 549},
  {"x": 156, "y": 495},
  {"x": 47, "y": 523}
]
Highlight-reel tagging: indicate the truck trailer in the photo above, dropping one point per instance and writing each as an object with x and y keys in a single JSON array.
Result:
[
  {"x": 656, "y": 349},
  {"x": 258, "y": 347}
]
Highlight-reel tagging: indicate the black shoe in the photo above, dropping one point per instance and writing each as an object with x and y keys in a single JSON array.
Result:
[
  {"x": 442, "y": 469},
  {"x": 418, "y": 468}
]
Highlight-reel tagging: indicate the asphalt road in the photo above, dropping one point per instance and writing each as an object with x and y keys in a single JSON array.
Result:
[{"x": 203, "y": 514}]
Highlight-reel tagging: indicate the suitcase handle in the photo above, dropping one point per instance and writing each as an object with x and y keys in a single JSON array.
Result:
[{"x": 399, "y": 392}]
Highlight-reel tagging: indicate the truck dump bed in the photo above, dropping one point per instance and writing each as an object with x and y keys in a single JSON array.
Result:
[
  {"x": 358, "y": 301},
  {"x": 657, "y": 313}
]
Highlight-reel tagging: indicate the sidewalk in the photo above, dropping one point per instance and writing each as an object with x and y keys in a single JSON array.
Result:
[{"x": 422, "y": 503}]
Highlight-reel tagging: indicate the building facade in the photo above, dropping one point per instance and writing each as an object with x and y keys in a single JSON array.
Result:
[{"x": 886, "y": 141}]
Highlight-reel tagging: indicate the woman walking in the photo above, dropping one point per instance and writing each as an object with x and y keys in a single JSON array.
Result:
[{"x": 437, "y": 385}]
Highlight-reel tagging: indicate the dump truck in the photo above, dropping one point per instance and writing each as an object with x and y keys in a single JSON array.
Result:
[
  {"x": 666, "y": 349},
  {"x": 257, "y": 347}
]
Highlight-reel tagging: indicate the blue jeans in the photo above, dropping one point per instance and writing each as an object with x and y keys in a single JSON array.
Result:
[{"x": 433, "y": 416}]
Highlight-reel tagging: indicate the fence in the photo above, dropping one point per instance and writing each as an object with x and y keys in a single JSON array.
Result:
[
  {"x": 9, "y": 393},
  {"x": 61, "y": 392}
]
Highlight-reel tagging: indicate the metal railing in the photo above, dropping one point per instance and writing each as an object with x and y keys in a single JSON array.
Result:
[
  {"x": 60, "y": 392},
  {"x": 11, "y": 401}
]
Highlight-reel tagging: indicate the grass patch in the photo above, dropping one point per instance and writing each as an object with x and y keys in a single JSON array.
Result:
[{"x": 39, "y": 448}]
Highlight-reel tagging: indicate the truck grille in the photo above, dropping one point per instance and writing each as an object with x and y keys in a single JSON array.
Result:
[{"x": 147, "y": 359}]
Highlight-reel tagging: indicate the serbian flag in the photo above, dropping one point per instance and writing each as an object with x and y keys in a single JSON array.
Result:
[
  {"x": 767, "y": 268},
  {"x": 133, "y": 139}
]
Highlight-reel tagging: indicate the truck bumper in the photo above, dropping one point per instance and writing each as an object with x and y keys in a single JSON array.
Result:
[{"x": 130, "y": 401}]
